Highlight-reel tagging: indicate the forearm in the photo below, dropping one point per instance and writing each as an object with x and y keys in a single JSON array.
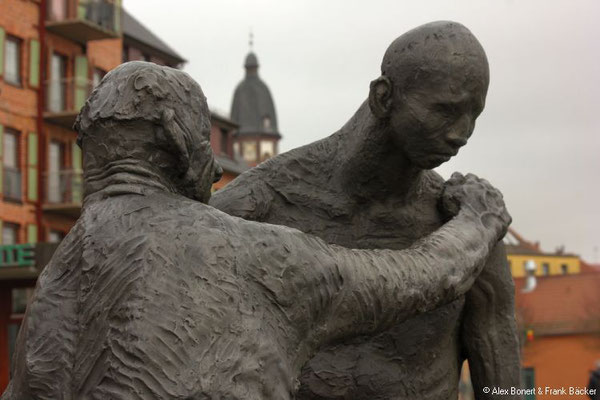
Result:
[{"x": 384, "y": 287}]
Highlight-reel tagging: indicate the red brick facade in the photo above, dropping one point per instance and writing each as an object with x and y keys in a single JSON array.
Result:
[
  {"x": 18, "y": 105},
  {"x": 22, "y": 112}
]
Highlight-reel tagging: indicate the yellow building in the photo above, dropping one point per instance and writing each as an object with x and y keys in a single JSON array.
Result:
[{"x": 520, "y": 251}]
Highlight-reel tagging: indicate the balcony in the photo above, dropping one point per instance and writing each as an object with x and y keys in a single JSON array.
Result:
[
  {"x": 84, "y": 20},
  {"x": 11, "y": 184},
  {"x": 64, "y": 192},
  {"x": 64, "y": 99}
]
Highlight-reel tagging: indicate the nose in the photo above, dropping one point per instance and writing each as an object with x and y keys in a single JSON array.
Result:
[
  {"x": 458, "y": 135},
  {"x": 456, "y": 140},
  {"x": 218, "y": 172}
]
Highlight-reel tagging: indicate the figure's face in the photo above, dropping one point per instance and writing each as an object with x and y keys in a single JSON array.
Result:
[{"x": 434, "y": 118}]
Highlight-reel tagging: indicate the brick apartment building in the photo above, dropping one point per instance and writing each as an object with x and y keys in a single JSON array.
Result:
[{"x": 52, "y": 54}]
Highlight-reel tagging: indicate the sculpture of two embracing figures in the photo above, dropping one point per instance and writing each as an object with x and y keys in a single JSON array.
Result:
[{"x": 344, "y": 269}]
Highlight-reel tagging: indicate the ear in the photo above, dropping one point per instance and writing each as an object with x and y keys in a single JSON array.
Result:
[
  {"x": 175, "y": 137},
  {"x": 380, "y": 96}
]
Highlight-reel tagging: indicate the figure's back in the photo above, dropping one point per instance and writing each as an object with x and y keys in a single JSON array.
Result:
[
  {"x": 70, "y": 338},
  {"x": 142, "y": 301}
]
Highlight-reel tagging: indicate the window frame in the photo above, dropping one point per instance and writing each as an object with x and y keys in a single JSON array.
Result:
[
  {"x": 545, "y": 269},
  {"x": 16, "y": 168},
  {"x": 61, "y": 235},
  {"x": 19, "y": 59},
  {"x": 97, "y": 72},
  {"x": 59, "y": 83},
  {"x": 15, "y": 227},
  {"x": 8, "y": 131}
]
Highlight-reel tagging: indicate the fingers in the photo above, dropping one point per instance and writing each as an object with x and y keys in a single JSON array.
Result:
[{"x": 456, "y": 179}]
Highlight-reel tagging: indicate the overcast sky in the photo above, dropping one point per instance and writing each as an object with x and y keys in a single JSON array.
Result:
[{"x": 537, "y": 140}]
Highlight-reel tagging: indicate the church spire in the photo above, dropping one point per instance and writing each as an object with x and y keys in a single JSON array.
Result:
[{"x": 251, "y": 63}]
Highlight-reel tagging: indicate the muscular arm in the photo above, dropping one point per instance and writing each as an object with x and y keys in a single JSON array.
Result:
[
  {"x": 329, "y": 291},
  {"x": 489, "y": 332}
]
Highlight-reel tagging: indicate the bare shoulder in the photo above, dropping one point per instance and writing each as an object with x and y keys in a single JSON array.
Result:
[{"x": 289, "y": 178}]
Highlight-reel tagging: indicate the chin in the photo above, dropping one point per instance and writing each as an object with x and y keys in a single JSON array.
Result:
[{"x": 428, "y": 164}]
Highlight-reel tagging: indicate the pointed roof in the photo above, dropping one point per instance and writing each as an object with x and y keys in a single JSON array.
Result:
[
  {"x": 253, "y": 108},
  {"x": 136, "y": 31}
]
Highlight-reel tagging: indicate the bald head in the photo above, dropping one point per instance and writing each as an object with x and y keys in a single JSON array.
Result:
[
  {"x": 432, "y": 88},
  {"x": 432, "y": 51},
  {"x": 142, "y": 91},
  {"x": 155, "y": 118}
]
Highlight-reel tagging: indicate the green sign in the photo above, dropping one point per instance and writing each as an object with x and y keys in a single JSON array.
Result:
[{"x": 17, "y": 255}]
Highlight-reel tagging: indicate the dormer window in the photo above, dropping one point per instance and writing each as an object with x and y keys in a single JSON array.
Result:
[{"x": 267, "y": 123}]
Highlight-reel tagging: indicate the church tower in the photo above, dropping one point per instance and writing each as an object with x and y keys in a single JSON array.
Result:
[{"x": 258, "y": 136}]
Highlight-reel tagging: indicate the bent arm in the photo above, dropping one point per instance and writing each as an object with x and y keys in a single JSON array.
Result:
[
  {"x": 489, "y": 332},
  {"x": 384, "y": 287}
]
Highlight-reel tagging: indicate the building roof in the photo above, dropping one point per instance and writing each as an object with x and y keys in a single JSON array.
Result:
[
  {"x": 253, "y": 108},
  {"x": 561, "y": 304},
  {"x": 588, "y": 267},
  {"x": 516, "y": 244},
  {"x": 233, "y": 166},
  {"x": 133, "y": 29},
  {"x": 251, "y": 61}
]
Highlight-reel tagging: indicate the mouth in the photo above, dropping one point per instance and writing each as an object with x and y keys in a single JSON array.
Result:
[
  {"x": 446, "y": 154},
  {"x": 443, "y": 157}
]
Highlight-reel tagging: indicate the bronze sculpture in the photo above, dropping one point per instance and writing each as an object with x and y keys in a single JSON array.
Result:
[
  {"x": 156, "y": 295},
  {"x": 370, "y": 185}
]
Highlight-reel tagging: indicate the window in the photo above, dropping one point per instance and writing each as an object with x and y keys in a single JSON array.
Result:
[
  {"x": 267, "y": 123},
  {"x": 20, "y": 298},
  {"x": 249, "y": 151},
  {"x": 10, "y": 156},
  {"x": 125, "y": 56},
  {"x": 12, "y": 56},
  {"x": 564, "y": 268},
  {"x": 55, "y": 167},
  {"x": 57, "y": 86},
  {"x": 528, "y": 379},
  {"x": 11, "y": 184},
  {"x": 55, "y": 236},
  {"x": 10, "y": 233},
  {"x": 224, "y": 142},
  {"x": 267, "y": 149},
  {"x": 57, "y": 10},
  {"x": 545, "y": 269},
  {"x": 97, "y": 76}
]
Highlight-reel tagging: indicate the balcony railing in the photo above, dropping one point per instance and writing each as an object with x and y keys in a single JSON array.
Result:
[
  {"x": 64, "y": 99},
  {"x": 84, "y": 20},
  {"x": 64, "y": 192},
  {"x": 11, "y": 184}
]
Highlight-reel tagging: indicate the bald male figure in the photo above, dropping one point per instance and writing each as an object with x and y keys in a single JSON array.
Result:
[
  {"x": 156, "y": 295},
  {"x": 371, "y": 185}
]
